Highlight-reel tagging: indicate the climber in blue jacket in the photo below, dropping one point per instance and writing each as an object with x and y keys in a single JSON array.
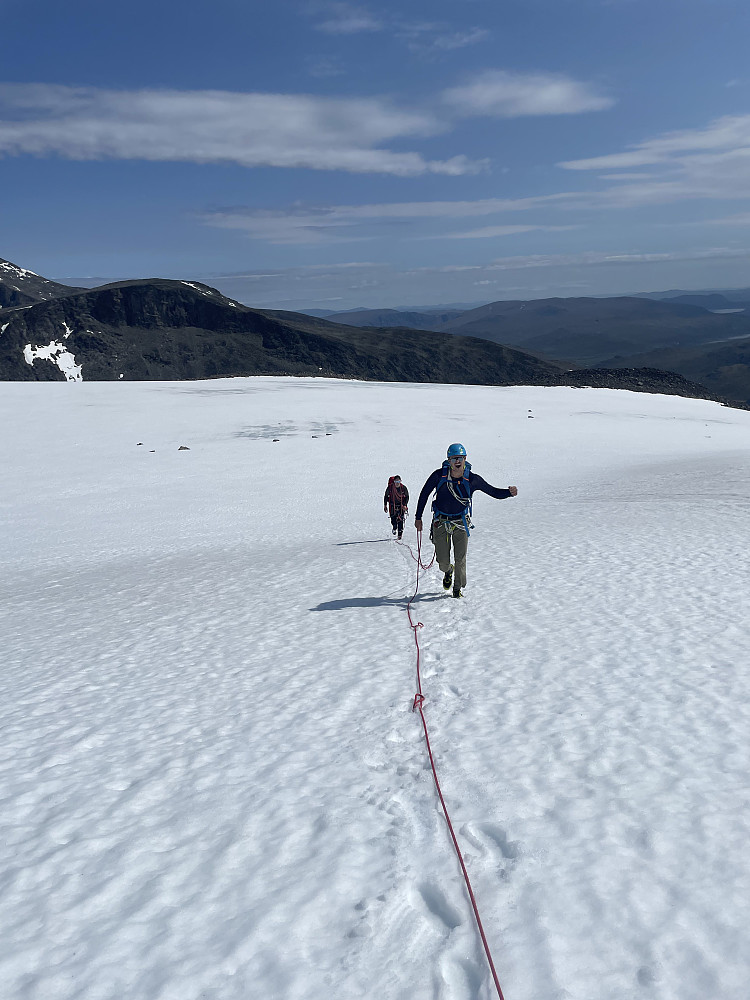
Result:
[{"x": 454, "y": 485}]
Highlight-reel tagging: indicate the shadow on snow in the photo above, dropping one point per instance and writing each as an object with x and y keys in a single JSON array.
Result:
[
  {"x": 367, "y": 541},
  {"x": 376, "y": 602}
]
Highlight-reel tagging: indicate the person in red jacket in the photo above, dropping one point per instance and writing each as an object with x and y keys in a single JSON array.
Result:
[{"x": 395, "y": 503}]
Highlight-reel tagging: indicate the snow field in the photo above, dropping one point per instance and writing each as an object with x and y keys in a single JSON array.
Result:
[{"x": 213, "y": 785}]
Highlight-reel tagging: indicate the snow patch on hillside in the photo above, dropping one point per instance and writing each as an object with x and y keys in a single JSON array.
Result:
[
  {"x": 203, "y": 291},
  {"x": 21, "y": 272},
  {"x": 58, "y": 354}
]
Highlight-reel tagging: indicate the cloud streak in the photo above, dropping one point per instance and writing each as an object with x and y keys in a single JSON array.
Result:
[
  {"x": 347, "y": 19},
  {"x": 252, "y": 130},
  {"x": 501, "y": 94},
  {"x": 249, "y": 129},
  {"x": 707, "y": 163},
  {"x": 729, "y": 133},
  {"x": 423, "y": 37},
  {"x": 492, "y": 232},
  {"x": 343, "y": 223},
  {"x": 530, "y": 276},
  {"x": 431, "y": 39}
]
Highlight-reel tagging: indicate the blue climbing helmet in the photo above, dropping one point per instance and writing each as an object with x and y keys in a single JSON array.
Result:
[{"x": 456, "y": 451}]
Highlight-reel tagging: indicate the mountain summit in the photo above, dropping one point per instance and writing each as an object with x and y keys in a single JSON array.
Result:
[{"x": 19, "y": 287}]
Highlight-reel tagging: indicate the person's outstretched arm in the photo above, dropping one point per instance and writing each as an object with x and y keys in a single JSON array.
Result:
[{"x": 482, "y": 486}]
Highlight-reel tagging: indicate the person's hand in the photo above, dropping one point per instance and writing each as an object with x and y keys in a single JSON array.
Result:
[
  {"x": 418, "y": 524},
  {"x": 513, "y": 490}
]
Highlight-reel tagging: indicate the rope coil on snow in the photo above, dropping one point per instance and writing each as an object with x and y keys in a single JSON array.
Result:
[{"x": 418, "y": 706}]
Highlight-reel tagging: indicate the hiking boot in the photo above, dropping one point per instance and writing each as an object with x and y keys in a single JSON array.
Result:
[
  {"x": 399, "y": 535},
  {"x": 457, "y": 592},
  {"x": 393, "y": 532},
  {"x": 448, "y": 579}
]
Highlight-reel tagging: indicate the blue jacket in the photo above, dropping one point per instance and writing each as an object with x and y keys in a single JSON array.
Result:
[{"x": 446, "y": 503}]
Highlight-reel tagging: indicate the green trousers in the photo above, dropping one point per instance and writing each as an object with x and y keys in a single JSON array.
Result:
[{"x": 444, "y": 534}]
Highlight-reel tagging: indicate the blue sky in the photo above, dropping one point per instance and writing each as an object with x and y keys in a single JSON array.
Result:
[{"x": 320, "y": 154}]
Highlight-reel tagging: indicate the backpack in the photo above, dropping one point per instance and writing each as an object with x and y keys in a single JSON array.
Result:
[
  {"x": 394, "y": 500},
  {"x": 463, "y": 495}
]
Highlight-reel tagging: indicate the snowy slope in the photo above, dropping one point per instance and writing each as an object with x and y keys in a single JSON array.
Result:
[{"x": 213, "y": 785}]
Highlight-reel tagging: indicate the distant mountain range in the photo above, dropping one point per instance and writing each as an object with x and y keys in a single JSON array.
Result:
[
  {"x": 164, "y": 329},
  {"x": 703, "y": 336},
  {"x": 731, "y": 294}
]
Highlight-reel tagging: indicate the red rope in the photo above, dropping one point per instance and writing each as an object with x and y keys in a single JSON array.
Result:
[{"x": 418, "y": 706}]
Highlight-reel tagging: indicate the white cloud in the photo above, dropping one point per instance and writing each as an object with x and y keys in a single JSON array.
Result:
[
  {"x": 706, "y": 163},
  {"x": 443, "y": 209},
  {"x": 460, "y": 39},
  {"x": 728, "y": 133},
  {"x": 491, "y": 232},
  {"x": 743, "y": 219},
  {"x": 628, "y": 177},
  {"x": 502, "y": 94},
  {"x": 252, "y": 130},
  {"x": 596, "y": 258},
  {"x": 339, "y": 18},
  {"x": 346, "y": 19},
  {"x": 429, "y": 38}
]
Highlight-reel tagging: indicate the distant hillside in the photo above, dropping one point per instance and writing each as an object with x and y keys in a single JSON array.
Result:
[
  {"x": 582, "y": 331},
  {"x": 712, "y": 301},
  {"x": 19, "y": 287},
  {"x": 724, "y": 368},
  {"x": 732, "y": 295},
  {"x": 623, "y": 332},
  {"x": 588, "y": 330},
  {"x": 412, "y": 319}
]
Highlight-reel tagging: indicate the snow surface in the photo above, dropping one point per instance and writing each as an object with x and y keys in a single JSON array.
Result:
[{"x": 213, "y": 784}]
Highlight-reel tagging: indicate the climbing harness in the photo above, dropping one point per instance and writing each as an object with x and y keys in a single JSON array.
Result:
[{"x": 454, "y": 488}]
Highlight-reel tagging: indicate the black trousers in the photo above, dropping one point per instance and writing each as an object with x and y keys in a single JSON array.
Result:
[{"x": 397, "y": 520}]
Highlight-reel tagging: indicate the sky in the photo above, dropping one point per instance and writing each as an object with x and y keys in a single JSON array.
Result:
[{"x": 327, "y": 155}]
